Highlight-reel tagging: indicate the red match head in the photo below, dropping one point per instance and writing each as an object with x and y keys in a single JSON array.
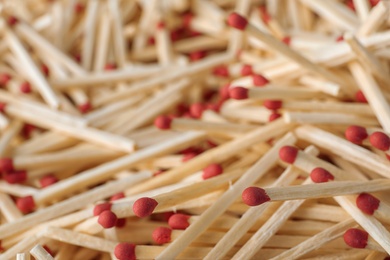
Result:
[
  {"x": 110, "y": 66},
  {"x": 107, "y": 219},
  {"x": 160, "y": 25},
  {"x": 356, "y": 238},
  {"x": 144, "y": 207},
  {"x": 273, "y": 104},
  {"x": 117, "y": 196},
  {"x": 359, "y": 96},
  {"x": 254, "y": 196},
  {"x": 188, "y": 156},
  {"x": 238, "y": 93},
  {"x": 197, "y": 55},
  {"x": 79, "y": 8},
  {"x": 47, "y": 180},
  {"x": 367, "y": 203},
  {"x": 4, "y": 78},
  {"x": 25, "y": 87},
  {"x": 246, "y": 70},
  {"x": 287, "y": 40},
  {"x": 380, "y": 141},
  {"x": 288, "y": 154},
  {"x": 237, "y": 21},
  {"x": 25, "y": 204},
  {"x": 356, "y": 134},
  {"x": 212, "y": 170},
  {"x": 319, "y": 175},
  {"x": 221, "y": 71},
  {"x": 340, "y": 38},
  {"x": 85, "y": 108},
  {"x": 2, "y": 107},
  {"x": 179, "y": 221},
  {"x": 45, "y": 70},
  {"x": 162, "y": 235},
  {"x": 224, "y": 91},
  {"x": 12, "y": 20},
  {"x": 273, "y": 116},
  {"x": 99, "y": 208},
  {"x": 120, "y": 222},
  {"x": 163, "y": 122},
  {"x": 125, "y": 251},
  {"x": 264, "y": 14},
  {"x": 6, "y": 165},
  {"x": 259, "y": 80},
  {"x": 196, "y": 110},
  {"x": 15, "y": 177}
]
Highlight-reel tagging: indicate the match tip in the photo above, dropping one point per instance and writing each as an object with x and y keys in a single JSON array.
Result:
[
  {"x": 144, "y": 207},
  {"x": 25, "y": 87},
  {"x": 224, "y": 92},
  {"x": 117, "y": 196},
  {"x": 367, "y": 203},
  {"x": 15, "y": 177},
  {"x": 12, "y": 20},
  {"x": 99, "y": 208},
  {"x": 356, "y": 238},
  {"x": 6, "y": 165},
  {"x": 196, "y": 110},
  {"x": 179, "y": 221},
  {"x": 273, "y": 104},
  {"x": 238, "y": 93},
  {"x": 237, "y": 21},
  {"x": 288, "y": 154},
  {"x": 110, "y": 66},
  {"x": 274, "y": 116},
  {"x": 162, "y": 235},
  {"x": 360, "y": 97},
  {"x": 163, "y": 122},
  {"x": 4, "y": 78},
  {"x": 125, "y": 251},
  {"x": 25, "y": 204},
  {"x": 356, "y": 134},
  {"x": 107, "y": 219},
  {"x": 319, "y": 175},
  {"x": 160, "y": 25},
  {"x": 2, "y": 107},
  {"x": 254, "y": 196},
  {"x": 246, "y": 70},
  {"x": 85, "y": 108},
  {"x": 380, "y": 141},
  {"x": 212, "y": 170},
  {"x": 259, "y": 80},
  {"x": 47, "y": 180}
]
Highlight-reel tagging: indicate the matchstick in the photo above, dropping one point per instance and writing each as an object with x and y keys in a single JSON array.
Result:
[{"x": 40, "y": 253}]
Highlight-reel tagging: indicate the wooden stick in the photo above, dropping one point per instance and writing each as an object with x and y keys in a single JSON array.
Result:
[
  {"x": 374, "y": 20},
  {"x": 33, "y": 72},
  {"x": 40, "y": 253},
  {"x": 317, "y": 241}
]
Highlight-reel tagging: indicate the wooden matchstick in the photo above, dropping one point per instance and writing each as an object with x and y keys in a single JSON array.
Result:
[{"x": 40, "y": 253}]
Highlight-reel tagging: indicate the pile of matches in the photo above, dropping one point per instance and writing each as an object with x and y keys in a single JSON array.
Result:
[{"x": 194, "y": 129}]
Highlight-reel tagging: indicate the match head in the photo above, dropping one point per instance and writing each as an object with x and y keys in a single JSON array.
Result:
[
  {"x": 99, "y": 208},
  {"x": 117, "y": 196},
  {"x": 273, "y": 104},
  {"x": 120, "y": 222},
  {"x": 356, "y": 238},
  {"x": 224, "y": 92},
  {"x": 15, "y": 177},
  {"x": 25, "y": 87},
  {"x": 2, "y": 107},
  {"x": 162, "y": 235},
  {"x": 110, "y": 66},
  {"x": 288, "y": 154},
  {"x": 380, "y": 141},
  {"x": 367, "y": 203},
  {"x": 238, "y": 93},
  {"x": 163, "y": 122},
  {"x": 179, "y": 221},
  {"x": 237, "y": 21},
  {"x": 45, "y": 70},
  {"x": 12, "y": 20},
  {"x": 107, "y": 219},
  {"x": 221, "y": 71},
  {"x": 246, "y": 70},
  {"x": 125, "y": 251},
  {"x": 197, "y": 55},
  {"x": 287, "y": 40},
  {"x": 6, "y": 165},
  {"x": 25, "y": 204},
  {"x": 273, "y": 116},
  {"x": 85, "y": 108},
  {"x": 254, "y": 196},
  {"x": 4, "y": 78},
  {"x": 319, "y": 175},
  {"x": 360, "y": 97},
  {"x": 47, "y": 180},
  {"x": 356, "y": 134},
  {"x": 144, "y": 207},
  {"x": 196, "y": 110},
  {"x": 259, "y": 80},
  {"x": 212, "y": 170}
]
